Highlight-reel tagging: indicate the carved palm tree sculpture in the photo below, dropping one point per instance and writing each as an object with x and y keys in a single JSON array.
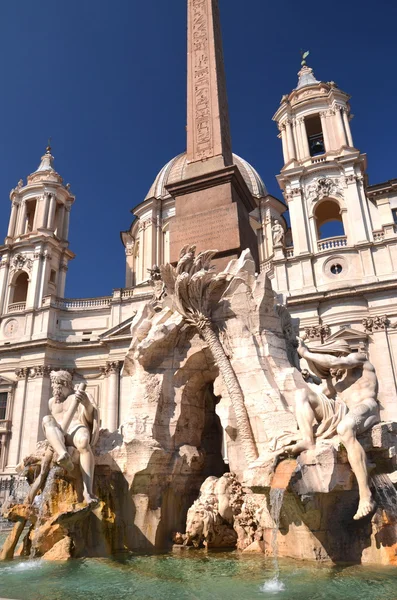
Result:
[{"x": 195, "y": 289}]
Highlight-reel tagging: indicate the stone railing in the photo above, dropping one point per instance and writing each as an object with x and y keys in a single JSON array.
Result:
[
  {"x": 329, "y": 243},
  {"x": 379, "y": 236},
  {"x": 16, "y": 307},
  {"x": 318, "y": 160},
  {"x": 82, "y": 303},
  {"x": 5, "y": 426},
  {"x": 127, "y": 293},
  {"x": 289, "y": 252},
  {"x": 266, "y": 266}
]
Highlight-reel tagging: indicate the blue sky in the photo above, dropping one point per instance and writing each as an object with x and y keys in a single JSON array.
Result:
[{"x": 107, "y": 80}]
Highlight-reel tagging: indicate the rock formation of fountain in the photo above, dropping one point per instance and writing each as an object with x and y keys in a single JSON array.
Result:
[{"x": 213, "y": 368}]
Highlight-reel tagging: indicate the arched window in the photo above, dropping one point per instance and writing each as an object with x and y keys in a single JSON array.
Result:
[
  {"x": 315, "y": 135},
  {"x": 30, "y": 212},
  {"x": 20, "y": 288},
  {"x": 328, "y": 220}
]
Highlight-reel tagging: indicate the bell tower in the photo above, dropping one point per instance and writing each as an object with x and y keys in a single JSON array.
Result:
[
  {"x": 35, "y": 254},
  {"x": 323, "y": 177}
]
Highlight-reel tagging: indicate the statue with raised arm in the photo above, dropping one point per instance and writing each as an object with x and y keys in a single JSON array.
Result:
[
  {"x": 73, "y": 422},
  {"x": 345, "y": 405}
]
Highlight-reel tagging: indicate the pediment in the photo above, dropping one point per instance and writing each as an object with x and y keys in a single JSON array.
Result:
[
  {"x": 120, "y": 330},
  {"x": 5, "y": 382},
  {"x": 349, "y": 334}
]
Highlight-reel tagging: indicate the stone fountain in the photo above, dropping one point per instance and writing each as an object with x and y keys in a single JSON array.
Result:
[{"x": 219, "y": 417}]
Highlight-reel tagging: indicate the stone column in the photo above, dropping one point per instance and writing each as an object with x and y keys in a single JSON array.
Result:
[
  {"x": 4, "y": 448},
  {"x": 63, "y": 269},
  {"x": 35, "y": 278},
  {"x": 323, "y": 118},
  {"x": 51, "y": 213},
  {"x": 340, "y": 127},
  {"x": 347, "y": 127},
  {"x": 305, "y": 141},
  {"x": 297, "y": 137},
  {"x": 290, "y": 140},
  {"x": 22, "y": 219},
  {"x": 112, "y": 371},
  {"x": 60, "y": 220},
  {"x": 284, "y": 142},
  {"x": 43, "y": 278},
  {"x": 13, "y": 219},
  {"x": 295, "y": 204},
  {"x": 42, "y": 215},
  {"x": 66, "y": 223},
  {"x": 4, "y": 270},
  {"x": 18, "y": 417}
]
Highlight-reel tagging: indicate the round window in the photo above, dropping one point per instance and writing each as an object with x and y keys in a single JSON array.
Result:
[{"x": 336, "y": 269}]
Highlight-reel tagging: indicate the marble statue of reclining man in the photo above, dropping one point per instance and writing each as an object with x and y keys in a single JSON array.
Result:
[
  {"x": 344, "y": 405},
  {"x": 73, "y": 422}
]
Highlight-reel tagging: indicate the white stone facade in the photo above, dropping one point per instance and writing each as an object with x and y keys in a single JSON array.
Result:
[{"x": 342, "y": 285}]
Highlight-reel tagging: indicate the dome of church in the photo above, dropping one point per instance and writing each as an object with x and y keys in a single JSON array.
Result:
[{"x": 175, "y": 170}]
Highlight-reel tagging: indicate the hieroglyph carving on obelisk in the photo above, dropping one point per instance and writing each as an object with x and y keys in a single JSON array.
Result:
[{"x": 208, "y": 131}]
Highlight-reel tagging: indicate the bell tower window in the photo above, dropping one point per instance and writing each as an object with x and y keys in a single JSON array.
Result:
[
  {"x": 30, "y": 212},
  {"x": 315, "y": 135},
  {"x": 21, "y": 288}
]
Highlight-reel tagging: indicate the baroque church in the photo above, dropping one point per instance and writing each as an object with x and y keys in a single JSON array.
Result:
[{"x": 334, "y": 267}]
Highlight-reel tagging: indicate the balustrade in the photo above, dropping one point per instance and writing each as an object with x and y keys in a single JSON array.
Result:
[
  {"x": 329, "y": 243},
  {"x": 16, "y": 307}
]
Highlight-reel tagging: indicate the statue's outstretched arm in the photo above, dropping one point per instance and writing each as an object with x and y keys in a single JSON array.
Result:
[{"x": 329, "y": 361}]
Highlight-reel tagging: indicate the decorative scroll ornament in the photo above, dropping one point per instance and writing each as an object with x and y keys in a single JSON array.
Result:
[
  {"x": 323, "y": 188},
  {"x": 20, "y": 261}
]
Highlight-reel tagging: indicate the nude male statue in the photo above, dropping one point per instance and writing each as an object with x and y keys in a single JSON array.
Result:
[
  {"x": 345, "y": 404},
  {"x": 73, "y": 422}
]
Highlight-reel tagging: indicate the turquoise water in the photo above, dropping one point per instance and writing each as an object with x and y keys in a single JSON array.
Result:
[{"x": 193, "y": 575}]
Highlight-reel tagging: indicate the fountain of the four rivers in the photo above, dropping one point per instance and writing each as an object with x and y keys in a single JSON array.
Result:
[
  {"x": 152, "y": 509},
  {"x": 236, "y": 474}
]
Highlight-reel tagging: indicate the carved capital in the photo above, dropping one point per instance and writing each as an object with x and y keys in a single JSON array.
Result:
[
  {"x": 110, "y": 368},
  {"x": 377, "y": 323},
  {"x": 39, "y": 371},
  {"x": 318, "y": 332},
  {"x": 22, "y": 373}
]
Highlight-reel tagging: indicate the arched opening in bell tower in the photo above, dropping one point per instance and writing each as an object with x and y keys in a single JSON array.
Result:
[
  {"x": 328, "y": 220},
  {"x": 30, "y": 214},
  {"x": 20, "y": 288},
  {"x": 315, "y": 136}
]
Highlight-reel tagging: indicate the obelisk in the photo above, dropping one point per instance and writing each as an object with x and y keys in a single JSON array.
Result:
[{"x": 212, "y": 202}]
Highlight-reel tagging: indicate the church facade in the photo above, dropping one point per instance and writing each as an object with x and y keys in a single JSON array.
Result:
[{"x": 329, "y": 247}]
